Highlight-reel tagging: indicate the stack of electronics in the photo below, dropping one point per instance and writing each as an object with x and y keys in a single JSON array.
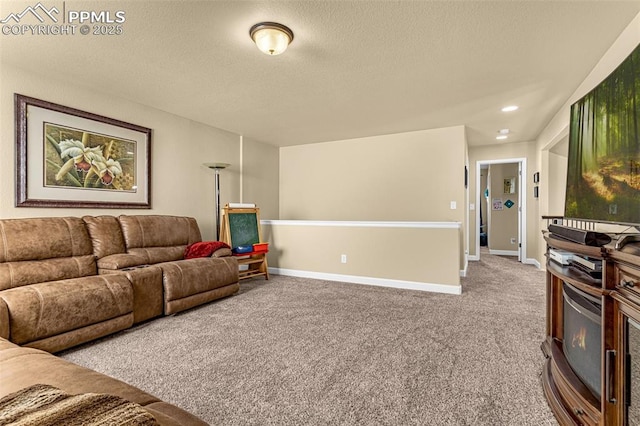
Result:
[{"x": 590, "y": 266}]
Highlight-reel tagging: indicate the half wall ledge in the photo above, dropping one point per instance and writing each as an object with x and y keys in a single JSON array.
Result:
[{"x": 423, "y": 256}]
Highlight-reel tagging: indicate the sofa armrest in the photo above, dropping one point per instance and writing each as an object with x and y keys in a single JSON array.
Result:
[
  {"x": 223, "y": 252},
  {"x": 121, "y": 261},
  {"x": 146, "y": 282},
  {"x": 4, "y": 319}
]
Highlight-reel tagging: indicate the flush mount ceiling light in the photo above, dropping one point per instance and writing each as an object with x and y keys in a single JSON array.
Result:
[
  {"x": 510, "y": 108},
  {"x": 270, "y": 37},
  {"x": 502, "y": 134}
]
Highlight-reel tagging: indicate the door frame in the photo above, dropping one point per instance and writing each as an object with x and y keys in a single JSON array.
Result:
[{"x": 522, "y": 205}]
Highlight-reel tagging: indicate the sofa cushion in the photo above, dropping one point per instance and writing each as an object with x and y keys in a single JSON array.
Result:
[
  {"x": 147, "y": 231},
  {"x": 153, "y": 255},
  {"x": 16, "y": 274},
  {"x": 43, "y": 238},
  {"x": 47, "y": 405},
  {"x": 81, "y": 335},
  {"x": 106, "y": 235},
  {"x": 223, "y": 252},
  {"x": 21, "y": 367},
  {"x": 41, "y": 310},
  {"x": 27, "y": 367},
  {"x": 44, "y": 249},
  {"x": 179, "y": 305},
  {"x": 188, "y": 277},
  {"x": 122, "y": 261}
]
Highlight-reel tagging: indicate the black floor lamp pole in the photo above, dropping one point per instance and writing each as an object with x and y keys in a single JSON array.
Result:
[
  {"x": 217, "y": 167},
  {"x": 217, "y": 204}
]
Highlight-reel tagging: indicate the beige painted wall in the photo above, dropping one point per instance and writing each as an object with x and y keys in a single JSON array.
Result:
[
  {"x": 181, "y": 185},
  {"x": 260, "y": 177},
  {"x": 412, "y": 176},
  {"x": 401, "y": 177},
  {"x": 421, "y": 255},
  {"x": 557, "y": 184},
  {"x": 504, "y": 223},
  {"x": 505, "y": 151}
]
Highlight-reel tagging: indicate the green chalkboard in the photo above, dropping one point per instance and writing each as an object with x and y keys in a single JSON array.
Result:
[{"x": 244, "y": 229}]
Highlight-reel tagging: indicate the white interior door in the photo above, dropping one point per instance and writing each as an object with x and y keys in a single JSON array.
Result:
[{"x": 521, "y": 207}]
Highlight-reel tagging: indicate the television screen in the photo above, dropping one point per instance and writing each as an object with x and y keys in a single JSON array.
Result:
[{"x": 603, "y": 173}]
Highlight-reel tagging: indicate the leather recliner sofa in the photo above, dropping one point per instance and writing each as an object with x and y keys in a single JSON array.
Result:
[
  {"x": 51, "y": 296},
  {"x": 149, "y": 249},
  {"x": 22, "y": 367},
  {"x": 65, "y": 281}
]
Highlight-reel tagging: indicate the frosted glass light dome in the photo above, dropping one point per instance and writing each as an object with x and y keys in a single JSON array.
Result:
[{"x": 270, "y": 37}]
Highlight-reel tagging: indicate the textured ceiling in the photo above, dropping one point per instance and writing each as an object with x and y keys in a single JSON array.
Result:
[{"x": 354, "y": 69}]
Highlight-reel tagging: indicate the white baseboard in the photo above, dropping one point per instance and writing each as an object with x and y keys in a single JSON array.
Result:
[
  {"x": 504, "y": 252},
  {"x": 463, "y": 272},
  {"x": 533, "y": 262},
  {"x": 382, "y": 282}
]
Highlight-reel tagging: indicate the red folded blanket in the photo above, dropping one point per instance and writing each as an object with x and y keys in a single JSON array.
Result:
[{"x": 203, "y": 249}]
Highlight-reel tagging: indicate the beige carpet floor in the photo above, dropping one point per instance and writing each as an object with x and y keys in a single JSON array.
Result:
[{"x": 292, "y": 351}]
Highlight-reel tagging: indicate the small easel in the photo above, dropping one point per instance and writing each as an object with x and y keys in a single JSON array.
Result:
[{"x": 241, "y": 228}]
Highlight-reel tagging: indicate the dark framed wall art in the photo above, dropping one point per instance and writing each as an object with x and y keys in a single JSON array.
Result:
[{"x": 71, "y": 158}]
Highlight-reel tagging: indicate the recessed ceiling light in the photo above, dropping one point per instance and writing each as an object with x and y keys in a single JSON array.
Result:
[
  {"x": 501, "y": 137},
  {"x": 510, "y": 108}
]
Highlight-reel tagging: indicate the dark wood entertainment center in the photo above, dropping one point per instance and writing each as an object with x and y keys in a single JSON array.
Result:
[{"x": 571, "y": 400}]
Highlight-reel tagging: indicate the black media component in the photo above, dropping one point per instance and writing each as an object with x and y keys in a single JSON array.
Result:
[{"x": 580, "y": 236}]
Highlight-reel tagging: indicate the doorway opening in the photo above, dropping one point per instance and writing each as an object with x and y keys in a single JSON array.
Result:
[{"x": 500, "y": 214}]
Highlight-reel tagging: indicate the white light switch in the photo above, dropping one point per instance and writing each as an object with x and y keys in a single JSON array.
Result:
[
  {"x": 472, "y": 206},
  {"x": 453, "y": 205}
]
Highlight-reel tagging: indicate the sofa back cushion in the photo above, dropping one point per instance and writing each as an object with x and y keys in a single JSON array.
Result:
[
  {"x": 159, "y": 238},
  {"x": 17, "y": 274},
  {"x": 106, "y": 235},
  {"x": 44, "y": 249}
]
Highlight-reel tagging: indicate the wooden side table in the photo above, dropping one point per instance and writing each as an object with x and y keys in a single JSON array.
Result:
[{"x": 256, "y": 265}]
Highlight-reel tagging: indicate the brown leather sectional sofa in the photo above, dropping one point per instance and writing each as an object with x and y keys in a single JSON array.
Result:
[
  {"x": 21, "y": 367},
  {"x": 66, "y": 281}
]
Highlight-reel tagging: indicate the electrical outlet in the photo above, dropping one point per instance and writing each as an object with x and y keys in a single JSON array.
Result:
[
  {"x": 343, "y": 258},
  {"x": 513, "y": 240},
  {"x": 454, "y": 205}
]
